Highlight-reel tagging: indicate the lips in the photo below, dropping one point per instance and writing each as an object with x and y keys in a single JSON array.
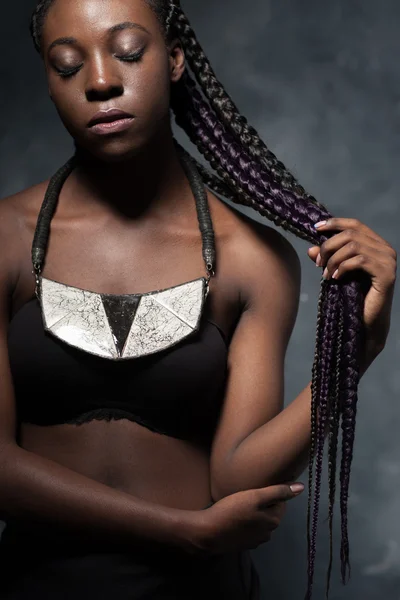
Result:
[{"x": 107, "y": 116}]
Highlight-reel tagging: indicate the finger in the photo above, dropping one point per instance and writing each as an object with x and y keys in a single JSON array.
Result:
[
  {"x": 313, "y": 252},
  {"x": 276, "y": 493},
  {"x": 362, "y": 262},
  {"x": 350, "y": 250},
  {"x": 341, "y": 223},
  {"x": 321, "y": 254},
  {"x": 357, "y": 239}
]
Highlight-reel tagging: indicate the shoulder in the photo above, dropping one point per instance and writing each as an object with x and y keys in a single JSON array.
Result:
[
  {"x": 18, "y": 214},
  {"x": 22, "y": 204},
  {"x": 270, "y": 282},
  {"x": 260, "y": 257},
  {"x": 267, "y": 252}
]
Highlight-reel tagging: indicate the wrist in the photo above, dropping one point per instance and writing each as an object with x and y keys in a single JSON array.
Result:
[{"x": 194, "y": 531}]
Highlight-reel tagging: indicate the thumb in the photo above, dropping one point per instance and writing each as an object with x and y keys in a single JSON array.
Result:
[
  {"x": 297, "y": 488},
  {"x": 279, "y": 493}
]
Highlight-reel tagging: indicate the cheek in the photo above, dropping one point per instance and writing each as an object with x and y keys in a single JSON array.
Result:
[
  {"x": 67, "y": 104},
  {"x": 149, "y": 89}
]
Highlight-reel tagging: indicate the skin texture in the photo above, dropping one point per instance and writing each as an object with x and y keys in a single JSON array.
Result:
[{"x": 132, "y": 203}]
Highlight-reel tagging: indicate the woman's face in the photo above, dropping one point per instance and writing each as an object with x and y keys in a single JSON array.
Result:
[{"x": 94, "y": 55}]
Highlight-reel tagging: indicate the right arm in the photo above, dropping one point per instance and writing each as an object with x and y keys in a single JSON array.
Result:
[{"x": 38, "y": 490}]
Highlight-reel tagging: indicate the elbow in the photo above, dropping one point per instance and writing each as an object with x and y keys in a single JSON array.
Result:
[
  {"x": 226, "y": 486},
  {"x": 218, "y": 491},
  {"x": 222, "y": 483},
  {"x": 229, "y": 480},
  {"x": 286, "y": 478}
]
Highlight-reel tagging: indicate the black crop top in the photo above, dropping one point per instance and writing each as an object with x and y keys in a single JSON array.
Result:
[{"x": 176, "y": 392}]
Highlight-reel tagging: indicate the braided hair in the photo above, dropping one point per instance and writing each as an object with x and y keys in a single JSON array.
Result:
[{"x": 246, "y": 172}]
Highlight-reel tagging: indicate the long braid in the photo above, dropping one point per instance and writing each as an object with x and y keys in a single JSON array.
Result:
[
  {"x": 228, "y": 112},
  {"x": 334, "y": 420},
  {"x": 327, "y": 348},
  {"x": 315, "y": 387},
  {"x": 248, "y": 173},
  {"x": 188, "y": 104},
  {"x": 211, "y": 181},
  {"x": 352, "y": 345}
]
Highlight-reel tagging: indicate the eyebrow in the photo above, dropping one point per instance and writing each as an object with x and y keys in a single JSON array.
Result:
[{"x": 119, "y": 27}]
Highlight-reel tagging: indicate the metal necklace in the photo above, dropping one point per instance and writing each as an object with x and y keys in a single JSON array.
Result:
[{"x": 126, "y": 326}]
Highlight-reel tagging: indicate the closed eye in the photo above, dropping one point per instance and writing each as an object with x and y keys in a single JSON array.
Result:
[
  {"x": 68, "y": 73},
  {"x": 135, "y": 57}
]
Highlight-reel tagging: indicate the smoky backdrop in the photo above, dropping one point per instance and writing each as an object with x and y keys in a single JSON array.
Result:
[{"x": 320, "y": 81}]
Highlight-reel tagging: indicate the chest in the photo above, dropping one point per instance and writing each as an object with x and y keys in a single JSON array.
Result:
[
  {"x": 117, "y": 260},
  {"x": 177, "y": 391}
]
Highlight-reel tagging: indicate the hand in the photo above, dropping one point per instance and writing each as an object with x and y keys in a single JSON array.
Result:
[
  {"x": 244, "y": 520},
  {"x": 359, "y": 247}
]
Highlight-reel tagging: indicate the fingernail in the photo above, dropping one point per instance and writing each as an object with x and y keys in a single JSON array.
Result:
[
  {"x": 318, "y": 261},
  {"x": 297, "y": 488},
  {"x": 320, "y": 223}
]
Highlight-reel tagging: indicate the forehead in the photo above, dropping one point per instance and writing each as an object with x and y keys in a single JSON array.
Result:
[{"x": 77, "y": 18}]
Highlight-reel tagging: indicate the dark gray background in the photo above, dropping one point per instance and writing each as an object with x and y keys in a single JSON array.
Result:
[{"x": 320, "y": 81}]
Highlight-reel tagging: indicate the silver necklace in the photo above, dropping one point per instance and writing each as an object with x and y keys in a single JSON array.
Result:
[{"x": 120, "y": 327}]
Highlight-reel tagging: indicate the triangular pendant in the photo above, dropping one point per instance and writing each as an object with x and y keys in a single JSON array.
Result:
[
  {"x": 122, "y": 327},
  {"x": 120, "y": 311}
]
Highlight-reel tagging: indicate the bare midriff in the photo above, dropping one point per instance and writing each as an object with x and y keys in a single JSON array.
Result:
[{"x": 129, "y": 457}]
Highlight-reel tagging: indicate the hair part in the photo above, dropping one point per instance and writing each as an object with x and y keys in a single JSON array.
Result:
[{"x": 246, "y": 172}]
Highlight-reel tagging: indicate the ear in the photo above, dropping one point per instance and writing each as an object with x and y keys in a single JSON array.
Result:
[{"x": 176, "y": 60}]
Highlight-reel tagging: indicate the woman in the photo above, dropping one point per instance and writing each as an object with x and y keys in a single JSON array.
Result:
[{"x": 137, "y": 444}]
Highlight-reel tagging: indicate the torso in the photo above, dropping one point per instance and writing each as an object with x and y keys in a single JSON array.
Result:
[{"x": 97, "y": 254}]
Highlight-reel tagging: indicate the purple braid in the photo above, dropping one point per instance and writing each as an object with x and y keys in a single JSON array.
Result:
[
  {"x": 352, "y": 345},
  {"x": 331, "y": 307},
  {"x": 190, "y": 108},
  {"x": 315, "y": 385},
  {"x": 334, "y": 421}
]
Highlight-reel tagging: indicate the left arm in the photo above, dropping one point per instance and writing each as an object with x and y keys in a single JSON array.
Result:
[
  {"x": 257, "y": 443},
  {"x": 277, "y": 452}
]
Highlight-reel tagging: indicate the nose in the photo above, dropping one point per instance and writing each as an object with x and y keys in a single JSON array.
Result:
[{"x": 103, "y": 79}]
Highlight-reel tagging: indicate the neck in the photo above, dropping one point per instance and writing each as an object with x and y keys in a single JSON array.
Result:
[{"x": 152, "y": 182}]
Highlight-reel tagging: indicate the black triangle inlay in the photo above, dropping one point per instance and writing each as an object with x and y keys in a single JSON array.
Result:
[{"x": 120, "y": 311}]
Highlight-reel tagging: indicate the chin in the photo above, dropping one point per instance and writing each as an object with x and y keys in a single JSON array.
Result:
[{"x": 111, "y": 152}]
